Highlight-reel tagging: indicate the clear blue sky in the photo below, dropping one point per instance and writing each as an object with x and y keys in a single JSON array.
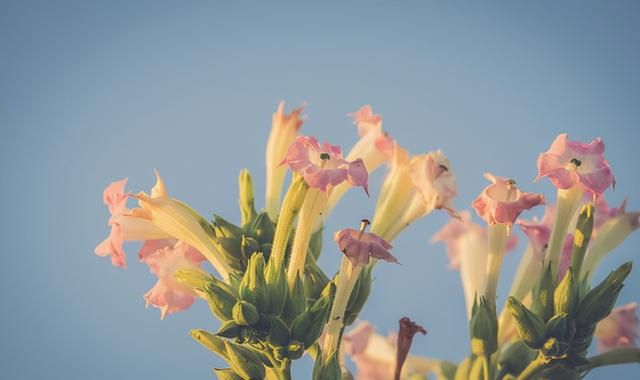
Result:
[{"x": 92, "y": 92}]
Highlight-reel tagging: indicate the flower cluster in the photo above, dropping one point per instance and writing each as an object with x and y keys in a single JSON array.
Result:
[{"x": 274, "y": 303}]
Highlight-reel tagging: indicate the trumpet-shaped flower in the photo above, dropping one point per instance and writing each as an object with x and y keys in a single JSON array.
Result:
[
  {"x": 180, "y": 222},
  {"x": 322, "y": 166},
  {"x": 408, "y": 329},
  {"x": 571, "y": 163},
  {"x": 124, "y": 227},
  {"x": 502, "y": 201},
  {"x": 168, "y": 294},
  {"x": 619, "y": 329},
  {"x": 284, "y": 130},
  {"x": 358, "y": 246}
]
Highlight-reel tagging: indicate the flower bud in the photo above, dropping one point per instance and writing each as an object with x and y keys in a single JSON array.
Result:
[
  {"x": 565, "y": 297},
  {"x": 278, "y": 331},
  {"x": 229, "y": 247},
  {"x": 244, "y": 361},
  {"x": 253, "y": 287},
  {"x": 599, "y": 302},
  {"x": 327, "y": 369},
  {"x": 245, "y": 314},
  {"x": 193, "y": 278},
  {"x": 229, "y": 329},
  {"x": 263, "y": 228},
  {"x": 315, "y": 280},
  {"x": 210, "y": 341},
  {"x": 308, "y": 326},
  {"x": 226, "y": 374},
  {"x": 245, "y": 198},
  {"x": 530, "y": 327},
  {"x": 224, "y": 228},
  {"x": 514, "y": 358},
  {"x": 581, "y": 236},
  {"x": 277, "y": 288},
  {"x": 561, "y": 327},
  {"x": 295, "y": 349},
  {"x": 554, "y": 349},
  {"x": 543, "y": 295},
  {"x": 483, "y": 328},
  {"x": 249, "y": 246},
  {"x": 220, "y": 300},
  {"x": 296, "y": 302}
]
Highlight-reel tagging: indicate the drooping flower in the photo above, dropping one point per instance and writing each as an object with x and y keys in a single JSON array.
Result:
[
  {"x": 358, "y": 246},
  {"x": 572, "y": 163},
  {"x": 502, "y": 201},
  {"x": 322, "y": 166},
  {"x": 124, "y": 227},
  {"x": 408, "y": 329},
  {"x": 180, "y": 222},
  {"x": 168, "y": 294},
  {"x": 284, "y": 129},
  {"x": 619, "y": 329}
]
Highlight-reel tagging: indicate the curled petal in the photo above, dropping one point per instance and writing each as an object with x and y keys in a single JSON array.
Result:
[
  {"x": 359, "y": 246},
  {"x": 503, "y": 202},
  {"x": 408, "y": 330},
  {"x": 112, "y": 246}
]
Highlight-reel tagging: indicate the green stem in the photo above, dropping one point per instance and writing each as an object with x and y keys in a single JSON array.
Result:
[
  {"x": 535, "y": 367},
  {"x": 619, "y": 356}
]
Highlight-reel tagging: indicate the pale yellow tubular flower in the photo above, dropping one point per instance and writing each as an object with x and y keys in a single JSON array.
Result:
[
  {"x": 180, "y": 222},
  {"x": 284, "y": 129},
  {"x": 473, "y": 252}
]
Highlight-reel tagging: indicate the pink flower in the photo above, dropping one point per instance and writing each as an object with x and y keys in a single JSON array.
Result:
[
  {"x": 604, "y": 213},
  {"x": 572, "y": 163},
  {"x": 619, "y": 329},
  {"x": 451, "y": 232},
  {"x": 370, "y": 124},
  {"x": 502, "y": 201},
  {"x": 124, "y": 227},
  {"x": 433, "y": 180},
  {"x": 408, "y": 330},
  {"x": 322, "y": 166},
  {"x": 168, "y": 294},
  {"x": 539, "y": 231},
  {"x": 359, "y": 246}
]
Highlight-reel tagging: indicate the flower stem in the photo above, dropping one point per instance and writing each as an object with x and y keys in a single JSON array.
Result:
[
  {"x": 618, "y": 356},
  {"x": 568, "y": 201},
  {"x": 498, "y": 236},
  {"x": 312, "y": 207},
  {"x": 347, "y": 278},
  {"x": 537, "y": 365},
  {"x": 291, "y": 205}
]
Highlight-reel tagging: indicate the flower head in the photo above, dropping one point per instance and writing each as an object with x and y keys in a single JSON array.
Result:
[
  {"x": 371, "y": 136},
  {"x": 168, "y": 294},
  {"x": 358, "y": 246},
  {"x": 322, "y": 166},
  {"x": 619, "y": 329},
  {"x": 433, "y": 180},
  {"x": 573, "y": 163},
  {"x": 502, "y": 201},
  {"x": 284, "y": 129}
]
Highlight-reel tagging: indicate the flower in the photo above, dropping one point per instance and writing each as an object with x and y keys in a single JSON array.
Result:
[
  {"x": 322, "y": 166},
  {"x": 572, "y": 163},
  {"x": 433, "y": 180},
  {"x": 604, "y": 213},
  {"x": 180, "y": 222},
  {"x": 358, "y": 246},
  {"x": 408, "y": 330},
  {"x": 451, "y": 233},
  {"x": 619, "y": 329},
  {"x": 284, "y": 129},
  {"x": 124, "y": 227},
  {"x": 502, "y": 201},
  {"x": 168, "y": 294}
]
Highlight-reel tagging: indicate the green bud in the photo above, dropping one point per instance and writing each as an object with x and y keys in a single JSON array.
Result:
[
  {"x": 561, "y": 327},
  {"x": 530, "y": 327},
  {"x": 249, "y": 246},
  {"x": 245, "y": 198},
  {"x": 253, "y": 287},
  {"x": 195, "y": 279},
  {"x": 357, "y": 303},
  {"x": 565, "y": 297},
  {"x": 224, "y": 228},
  {"x": 211, "y": 342},
  {"x": 483, "y": 328},
  {"x": 229, "y": 247},
  {"x": 226, "y": 374},
  {"x": 581, "y": 341},
  {"x": 278, "y": 331},
  {"x": 295, "y": 349},
  {"x": 245, "y": 314},
  {"x": 263, "y": 228},
  {"x": 277, "y": 287},
  {"x": 599, "y": 302},
  {"x": 296, "y": 302},
  {"x": 542, "y": 303},
  {"x": 315, "y": 279},
  {"x": 315, "y": 243},
  {"x": 581, "y": 236},
  {"x": 244, "y": 361},
  {"x": 308, "y": 326},
  {"x": 328, "y": 369},
  {"x": 554, "y": 349},
  {"x": 229, "y": 329},
  {"x": 220, "y": 300}
]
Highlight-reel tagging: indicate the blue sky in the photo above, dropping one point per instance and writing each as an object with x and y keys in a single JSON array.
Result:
[{"x": 91, "y": 92}]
